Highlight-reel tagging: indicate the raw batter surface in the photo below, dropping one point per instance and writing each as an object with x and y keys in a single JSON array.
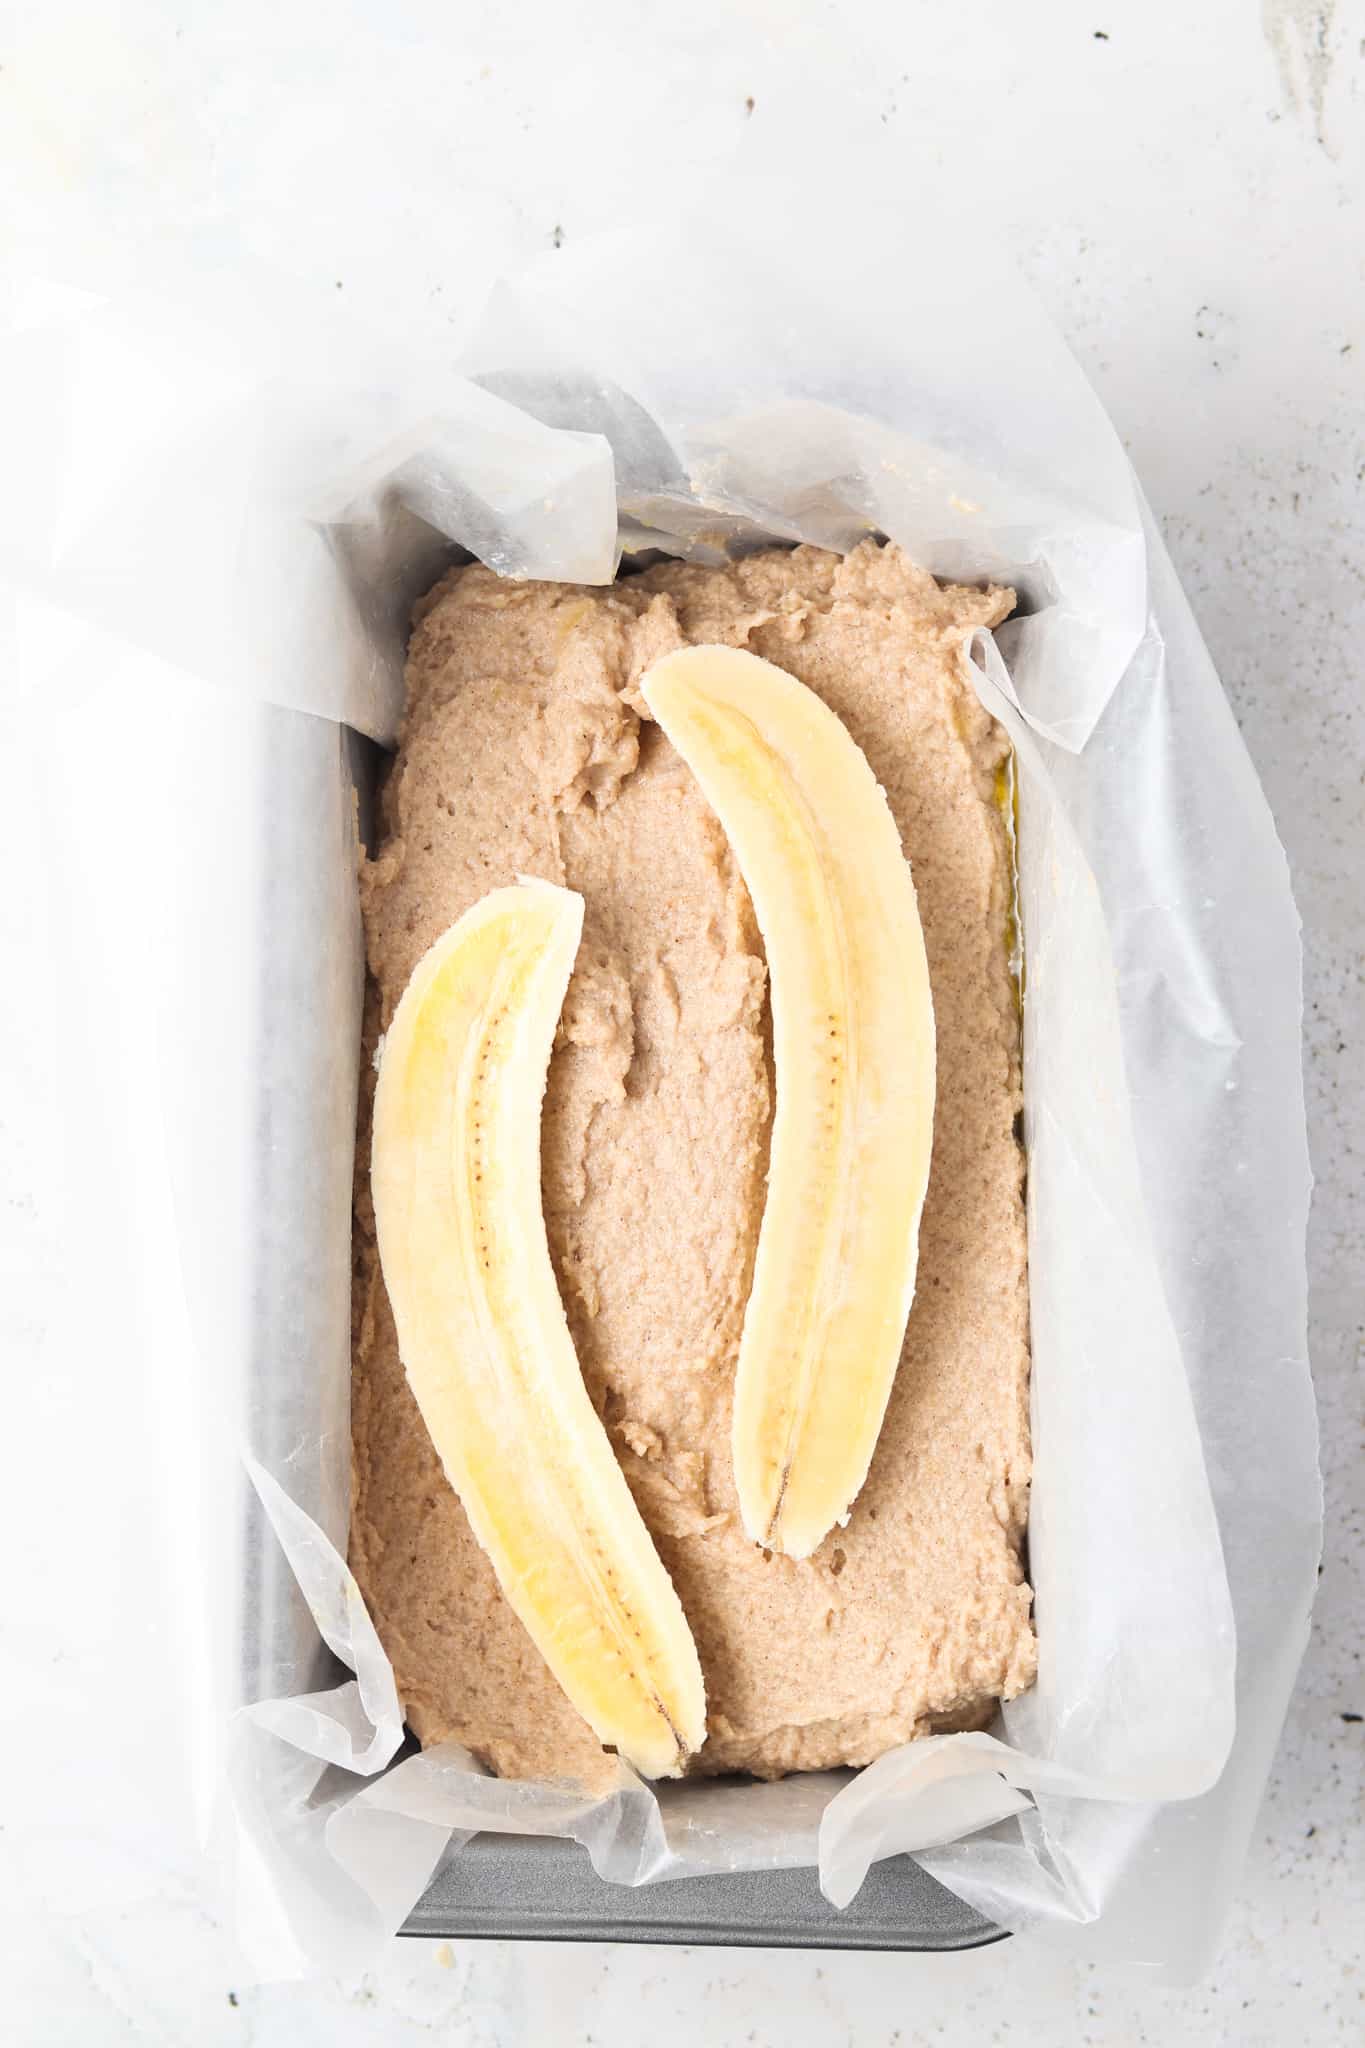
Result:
[{"x": 526, "y": 750}]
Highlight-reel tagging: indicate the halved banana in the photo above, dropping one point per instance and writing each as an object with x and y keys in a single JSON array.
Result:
[
  {"x": 853, "y": 1046},
  {"x": 482, "y": 1332}
]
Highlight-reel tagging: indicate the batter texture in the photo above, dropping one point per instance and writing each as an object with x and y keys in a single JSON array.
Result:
[{"x": 527, "y": 750}]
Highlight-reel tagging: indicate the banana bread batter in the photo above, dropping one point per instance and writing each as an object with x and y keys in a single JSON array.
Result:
[{"x": 527, "y": 750}]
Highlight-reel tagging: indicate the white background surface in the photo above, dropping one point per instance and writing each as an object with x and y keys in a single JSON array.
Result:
[{"x": 1189, "y": 197}]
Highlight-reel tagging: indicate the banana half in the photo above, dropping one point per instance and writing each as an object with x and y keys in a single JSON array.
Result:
[
  {"x": 482, "y": 1332},
  {"x": 853, "y": 1047}
]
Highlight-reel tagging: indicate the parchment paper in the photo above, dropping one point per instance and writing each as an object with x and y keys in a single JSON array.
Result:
[{"x": 245, "y": 504}]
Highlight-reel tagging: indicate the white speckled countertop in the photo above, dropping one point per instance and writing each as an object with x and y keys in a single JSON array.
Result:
[{"x": 1187, "y": 189}]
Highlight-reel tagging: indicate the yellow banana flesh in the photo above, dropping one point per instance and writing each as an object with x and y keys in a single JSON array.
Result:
[
  {"x": 853, "y": 1048},
  {"x": 482, "y": 1332}
]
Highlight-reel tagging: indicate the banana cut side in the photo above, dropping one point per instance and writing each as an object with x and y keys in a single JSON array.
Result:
[
  {"x": 853, "y": 1049},
  {"x": 482, "y": 1332}
]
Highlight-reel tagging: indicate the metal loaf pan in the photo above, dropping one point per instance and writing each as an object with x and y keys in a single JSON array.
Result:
[{"x": 528, "y": 1888}]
